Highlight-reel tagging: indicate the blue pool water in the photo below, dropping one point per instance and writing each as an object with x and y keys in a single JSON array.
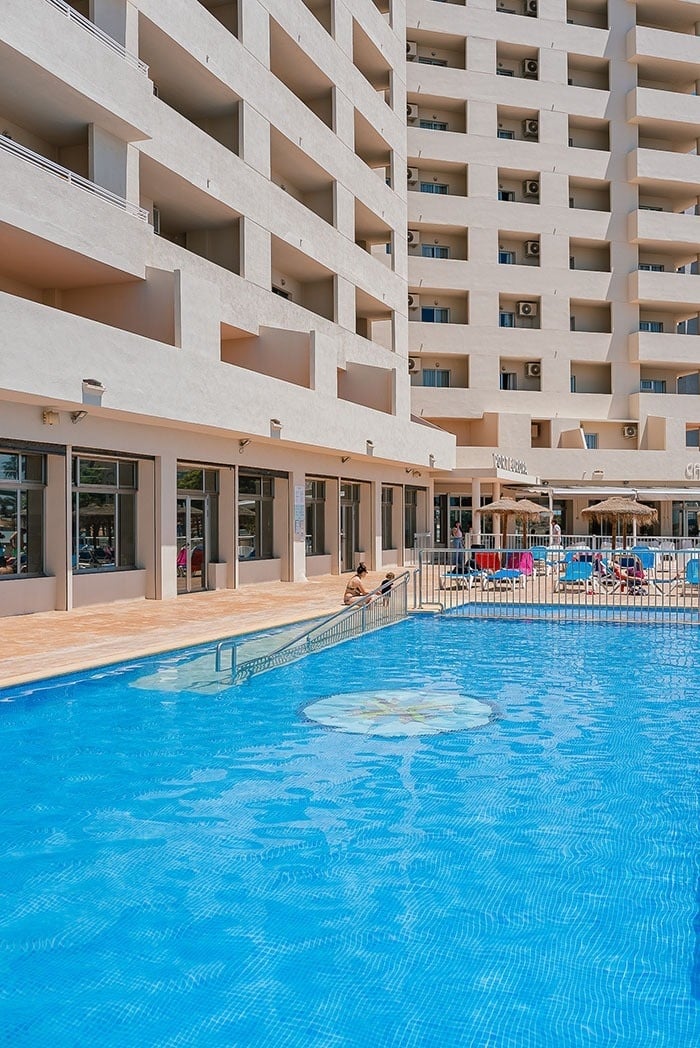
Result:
[{"x": 497, "y": 847}]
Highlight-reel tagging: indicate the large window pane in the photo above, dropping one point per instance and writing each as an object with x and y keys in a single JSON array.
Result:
[
  {"x": 21, "y": 514},
  {"x": 32, "y": 520},
  {"x": 98, "y": 472},
  {"x": 126, "y": 545}
]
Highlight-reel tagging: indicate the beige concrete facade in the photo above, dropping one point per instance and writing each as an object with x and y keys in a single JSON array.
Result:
[
  {"x": 263, "y": 263},
  {"x": 203, "y": 377},
  {"x": 553, "y": 245}
]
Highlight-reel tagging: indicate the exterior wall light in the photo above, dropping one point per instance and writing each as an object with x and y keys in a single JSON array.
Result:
[
  {"x": 275, "y": 427},
  {"x": 370, "y": 447},
  {"x": 243, "y": 444},
  {"x": 77, "y": 416}
]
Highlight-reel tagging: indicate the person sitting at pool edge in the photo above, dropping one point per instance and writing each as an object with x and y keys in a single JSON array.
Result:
[
  {"x": 355, "y": 590},
  {"x": 385, "y": 587}
]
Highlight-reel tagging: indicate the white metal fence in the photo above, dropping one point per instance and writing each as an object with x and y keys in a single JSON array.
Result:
[{"x": 557, "y": 582}]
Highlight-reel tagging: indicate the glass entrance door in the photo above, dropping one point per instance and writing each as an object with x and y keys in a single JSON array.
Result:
[
  {"x": 349, "y": 533},
  {"x": 192, "y": 543}
]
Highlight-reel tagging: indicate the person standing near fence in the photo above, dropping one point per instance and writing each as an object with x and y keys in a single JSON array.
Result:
[
  {"x": 457, "y": 543},
  {"x": 556, "y": 534}
]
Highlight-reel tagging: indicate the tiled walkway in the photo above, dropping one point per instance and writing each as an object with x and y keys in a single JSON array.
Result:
[{"x": 35, "y": 646}]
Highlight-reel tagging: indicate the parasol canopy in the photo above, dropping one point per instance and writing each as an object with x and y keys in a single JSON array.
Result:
[
  {"x": 621, "y": 510},
  {"x": 522, "y": 509}
]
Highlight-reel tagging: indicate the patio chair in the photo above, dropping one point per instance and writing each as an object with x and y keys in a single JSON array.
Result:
[
  {"x": 691, "y": 582},
  {"x": 504, "y": 578},
  {"x": 628, "y": 569},
  {"x": 540, "y": 560},
  {"x": 578, "y": 574},
  {"x": 646, "y": 555}
]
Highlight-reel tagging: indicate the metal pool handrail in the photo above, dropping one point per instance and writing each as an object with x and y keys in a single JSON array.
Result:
[{"x": 375, "y": 611}]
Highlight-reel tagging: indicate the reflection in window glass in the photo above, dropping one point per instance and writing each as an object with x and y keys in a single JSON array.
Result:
[
  {"x": 387, "y": 518},
  {"x": 255, "y": 517},
  {"x": 21, "y": 514},
  {"x": 104, "y": 514},
  {"x": 315, "y": 517}
]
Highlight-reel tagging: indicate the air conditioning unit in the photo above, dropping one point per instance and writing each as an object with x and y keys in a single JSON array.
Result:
[
  {"x": 411, "y": 112},
  {"x": 531, "y": 188},
  {"x": 532, "y": 248},
  {"x": 156, "y": 220},
  {"x": 531, "y": 8},
  {"x": 412, "y": 174},
  {"x": 411, "y": 49},
  {"x": 534, "y": 430},
  {"x": 414, "y": 301},
  {"x": 531, "y": 68},
  {"x": 526, "y": 309},
  {"x": 413, "y": 237},
  {"x": 629, "y": 432},
  {"x": 533, "y": 369},
  {"x": 531, "y": 128},
  {"x": 413, "y": 365}
]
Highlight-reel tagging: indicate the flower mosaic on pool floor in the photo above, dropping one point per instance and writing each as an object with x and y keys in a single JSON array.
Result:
[{"x": 410, "y": 711}]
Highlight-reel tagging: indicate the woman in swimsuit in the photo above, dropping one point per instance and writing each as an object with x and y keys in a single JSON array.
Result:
[{"x": 355, "y": 589}]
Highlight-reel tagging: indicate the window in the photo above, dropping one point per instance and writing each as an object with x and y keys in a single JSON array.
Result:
[
  {"x": 505, "y": 133},
  {"x": 436, "y": 377},
  {"x": 692, "y": 438},
  {"x": 410, "y": 517},
  {"x": 506, "y": 258},
  {"x": 655, "y": 326},
  {"x": 652, "y": 385},
  {"x": 649, "y": 207},
  {"x": 255, "y": 516},
  {"x": 104, "y": 514},
  {"x": 591, "y": 441},
  {"x": 651, "y": 267},
  {"x": 387, "y": 518},
  {"x": 280, "y": 291},
  {"x": 432, "y": 61},
  {"x": 22, "y": 479},
  {"x": 506, "y": 319},
  {"x": 509, "y": 380},
  {"x": 572, "y": 383},
  {"x": 506, "y": 194},
  {"x": 504, "y": 72},
  {"x": 434, "y": 315},
  {"x": 434, "y": 187},
  {"x": 315, "y": 517},
  {"x": 434, "y": 125},
  {"x": 434, "y": 251}
]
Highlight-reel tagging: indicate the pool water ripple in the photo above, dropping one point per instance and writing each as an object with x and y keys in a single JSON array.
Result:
[{"x": 211, "y": 867}]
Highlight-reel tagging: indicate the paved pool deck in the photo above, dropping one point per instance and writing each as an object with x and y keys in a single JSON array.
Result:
[{"x": 54, "y": 642}]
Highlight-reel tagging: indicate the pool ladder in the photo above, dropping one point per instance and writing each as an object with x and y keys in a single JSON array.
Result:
[{"x": 376, "y": 611}]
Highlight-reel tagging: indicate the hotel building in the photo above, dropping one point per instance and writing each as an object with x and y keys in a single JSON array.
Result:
[
  {"x": 263, "y": 263},
  {"x": 553, "y": 238},
  {"x": 204, "y": 378}
]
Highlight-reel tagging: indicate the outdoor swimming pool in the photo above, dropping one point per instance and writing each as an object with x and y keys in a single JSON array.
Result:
[{"x": 492, "y": 842}]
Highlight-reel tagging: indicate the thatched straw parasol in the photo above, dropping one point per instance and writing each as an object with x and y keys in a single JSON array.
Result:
[
  {"x": 620, "y": 510},
  {"x": 521, "y": 509}
]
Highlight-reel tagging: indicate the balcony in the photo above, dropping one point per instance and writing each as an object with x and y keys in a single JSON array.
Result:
[
  {"x": 70, "y": 177},
  {"x": 662, "y": 227},
  {"x": 662, "y": 46},
  {"x": 661, "y": 289},
  {"x": 663, "y": 114},
  {"x": 90, "y": 27}
]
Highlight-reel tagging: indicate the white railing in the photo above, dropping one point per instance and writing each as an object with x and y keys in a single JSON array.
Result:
[
  {"x": 90, "y": 27},
  {"x": 37, "y": 160},
  {"x": 380, "y": 608},
  {"x": 514, "y": 540}
]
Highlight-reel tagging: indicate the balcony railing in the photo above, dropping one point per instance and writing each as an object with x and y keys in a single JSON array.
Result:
[
  {"x": 37, "y": 160},
  {"x": 90, "y": 27}
]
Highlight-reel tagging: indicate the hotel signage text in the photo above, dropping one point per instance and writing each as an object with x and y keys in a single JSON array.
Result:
[{"x": 512, "y": 464}]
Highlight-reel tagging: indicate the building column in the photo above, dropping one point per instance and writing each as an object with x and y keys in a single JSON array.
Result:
[
  {"x": 297, "y": 526},
  {"x": 476, "y": 510},
  {"x": 166, "y": 526}
]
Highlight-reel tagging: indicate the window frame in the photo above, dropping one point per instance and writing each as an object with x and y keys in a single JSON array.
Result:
[{"x": 119, "y": 552}]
